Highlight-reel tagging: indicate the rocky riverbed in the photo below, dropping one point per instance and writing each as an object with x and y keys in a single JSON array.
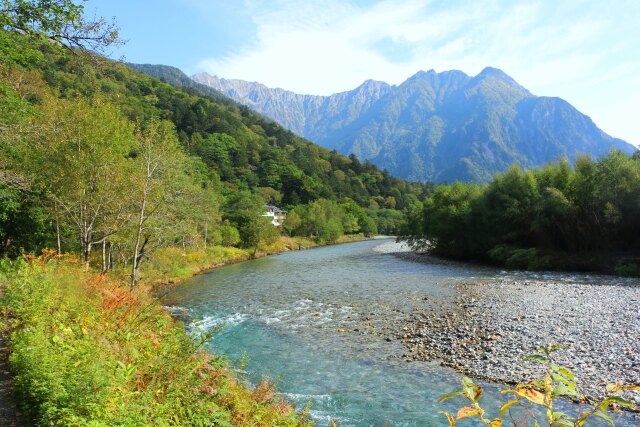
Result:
[{"x": 493, "y": 323}]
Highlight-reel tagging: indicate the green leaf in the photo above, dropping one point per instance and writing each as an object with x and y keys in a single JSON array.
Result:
[
  {"x": 535, "y": 358},
  {"x": 450, "y": 395},
  {"x": 557, "y": 415},
  {"x": 507, "y": 405},
  {"x": 567, "y": 373},
  {"x": 612, "y": 388},
  {"x": 603, "y": 416},
  {"x": 562, "y": 379},
  {"x": 466, "y": 382},
  {"x": 542, "y": 350},
  {"x": 561, "y": 419},
  {"x": 563, "y": 422},
  {"x": 563, "y": 390},
  {"x": 556, "y": 347},
  {"x": 618, "y": 401},
  {"x": 472, "y": 390}
]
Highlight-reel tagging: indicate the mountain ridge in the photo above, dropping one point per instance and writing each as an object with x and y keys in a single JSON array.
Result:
[{"x": 434, "y": 126}]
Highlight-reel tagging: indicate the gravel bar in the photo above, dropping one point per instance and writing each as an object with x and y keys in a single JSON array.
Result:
[{"x": 493, "y": 323}]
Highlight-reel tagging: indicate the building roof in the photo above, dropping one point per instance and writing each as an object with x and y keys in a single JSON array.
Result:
[{"x": 275, "y": 208}]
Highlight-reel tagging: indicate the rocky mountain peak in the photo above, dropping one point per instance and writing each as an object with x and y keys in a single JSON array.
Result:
[{"x": 436, "y": 126}]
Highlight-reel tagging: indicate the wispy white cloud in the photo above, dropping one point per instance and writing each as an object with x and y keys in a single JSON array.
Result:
[{"x": 586, "y": 52}]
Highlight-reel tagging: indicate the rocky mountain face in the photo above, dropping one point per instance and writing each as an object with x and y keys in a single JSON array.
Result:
[{"x": 434, "y": 126}]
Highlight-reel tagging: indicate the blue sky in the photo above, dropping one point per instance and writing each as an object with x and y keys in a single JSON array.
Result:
[{"x": 587, "y": 52}]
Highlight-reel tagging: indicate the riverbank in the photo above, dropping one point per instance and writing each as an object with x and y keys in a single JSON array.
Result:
[
  {"x": 619, "y": 264},
  {"x": 172, "y": 266},
  {"x": 86, "y": 349},
  {"x": 492, "y": 324}
]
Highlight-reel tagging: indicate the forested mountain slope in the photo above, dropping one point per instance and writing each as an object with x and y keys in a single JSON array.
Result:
[{"x": 434, "y": 126}]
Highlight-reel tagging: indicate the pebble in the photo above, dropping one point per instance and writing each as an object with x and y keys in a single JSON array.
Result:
[{"x": 492, "y": 325}]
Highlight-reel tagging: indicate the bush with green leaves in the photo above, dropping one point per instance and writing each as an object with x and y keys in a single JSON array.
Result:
[
  {"x": 520, "y": 258},
  {"x": 557, "y": 383},
  {"x": 627, "y": 269}
]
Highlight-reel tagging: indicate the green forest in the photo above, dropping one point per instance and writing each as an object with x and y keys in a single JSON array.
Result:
[
  {"x": 187, "y": 163},
  {"x": 585, "y": 217}
]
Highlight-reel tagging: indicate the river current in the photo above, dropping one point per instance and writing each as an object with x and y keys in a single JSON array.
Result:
[{"x": 316, "y": 323}]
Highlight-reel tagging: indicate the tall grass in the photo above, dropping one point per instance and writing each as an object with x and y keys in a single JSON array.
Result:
[{"x": 172, "y": 264}]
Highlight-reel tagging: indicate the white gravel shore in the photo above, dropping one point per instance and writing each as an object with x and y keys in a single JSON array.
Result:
[{"x": 494, "y": 323}]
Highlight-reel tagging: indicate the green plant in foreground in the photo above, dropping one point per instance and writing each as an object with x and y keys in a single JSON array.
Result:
[
  {"x": 557, "y": 382},
  {"x": 87, "y": 351}
]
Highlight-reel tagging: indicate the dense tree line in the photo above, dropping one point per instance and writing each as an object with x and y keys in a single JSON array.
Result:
[
  {"x": 327, "y": 220},
  {"x": 584, "y": 217}
]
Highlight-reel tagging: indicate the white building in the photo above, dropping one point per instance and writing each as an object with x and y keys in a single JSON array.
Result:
[{"x": 276, "y": 214}]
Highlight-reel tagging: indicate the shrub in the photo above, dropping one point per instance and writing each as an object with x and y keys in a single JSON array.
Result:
[
  {"x": 627, "y": 269},
  {"x": 518, "y": 258},
  {"x": 558, "y": 382},
  {"x": 229, "y": 235}
]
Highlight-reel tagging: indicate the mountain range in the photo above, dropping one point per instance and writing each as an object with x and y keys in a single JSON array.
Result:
[{"x": 436, "y": 127}]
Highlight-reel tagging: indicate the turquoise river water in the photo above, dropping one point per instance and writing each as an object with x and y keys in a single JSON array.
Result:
[{"x": 314, "y": 322}]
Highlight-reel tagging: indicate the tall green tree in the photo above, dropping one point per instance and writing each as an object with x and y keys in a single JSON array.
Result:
[
  {"x": 245, "y": 211},
  {"x": 165, "y": 197},
  {"x": 447, "y": 219},
  {"x": 80, "y": 154}
]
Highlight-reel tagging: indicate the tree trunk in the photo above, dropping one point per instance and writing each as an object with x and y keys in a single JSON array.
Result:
[
  {"x": 86, "y": 237},
  {"x": 87, "y": 255},
  {"x": 104, "y": 256},
  {"x": 205, "y": 236},
  {"x": 58, "y": 240},
  {"x": 137, "y": 249},
  {"x": 110, "y": 257},
  {"x": 137, "y": 261}
]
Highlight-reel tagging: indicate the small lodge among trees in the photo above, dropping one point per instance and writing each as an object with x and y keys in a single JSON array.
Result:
[{"x": 276, "y": 214}]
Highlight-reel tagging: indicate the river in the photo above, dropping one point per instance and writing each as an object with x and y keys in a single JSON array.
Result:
[{"x": 318, "y": 323}]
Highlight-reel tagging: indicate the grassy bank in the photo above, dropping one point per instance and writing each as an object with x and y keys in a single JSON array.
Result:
[
  {"x": 173, "y": 265},
  {"x": 86, "y": 351}
]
